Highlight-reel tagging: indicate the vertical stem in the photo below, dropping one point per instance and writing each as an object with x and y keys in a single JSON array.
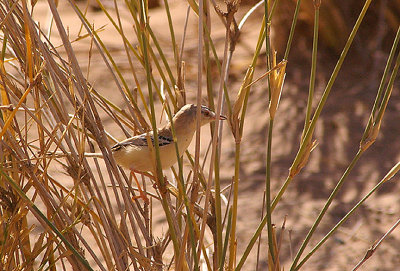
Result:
[
  {"x": 198, "y": 115},
  {"x": 199, "y": 95},
  {"x": 215, "y": 132},
  {"x": 171, "y": 29},
  {"x": 268, "y": 162},
  {"x": 160, "y": 177},
  {"x": 292, "y": 28},
  {"x": 232, "y": 246},
  {"x": 313, "y": 67},
  {"x": 228, "y": 229},
  {"x": 268, "y": 193}
]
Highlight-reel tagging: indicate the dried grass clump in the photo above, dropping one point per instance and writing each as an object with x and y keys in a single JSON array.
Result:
[{"x": 49, "y": 120}]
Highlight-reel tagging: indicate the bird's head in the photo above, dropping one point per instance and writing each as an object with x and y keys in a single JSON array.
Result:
[{"x": 187, "y": 115}]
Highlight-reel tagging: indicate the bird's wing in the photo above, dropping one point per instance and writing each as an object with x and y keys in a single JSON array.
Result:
[{"x": 141, "y": 141}]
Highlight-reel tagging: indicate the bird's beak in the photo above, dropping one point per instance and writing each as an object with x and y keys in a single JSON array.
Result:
[{"x": 222, "y": 117}]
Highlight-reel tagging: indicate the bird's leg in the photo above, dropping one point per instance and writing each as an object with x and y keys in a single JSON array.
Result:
[
  {"x": 143, "y": 173},
  {"x": 142, "y": 194}
]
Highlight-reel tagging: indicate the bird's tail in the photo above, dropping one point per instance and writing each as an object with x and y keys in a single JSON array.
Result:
[{"x": 86, "y": 154}]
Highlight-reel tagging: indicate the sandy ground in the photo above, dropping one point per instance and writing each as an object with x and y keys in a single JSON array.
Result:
[{"x": 338, "y": 134}]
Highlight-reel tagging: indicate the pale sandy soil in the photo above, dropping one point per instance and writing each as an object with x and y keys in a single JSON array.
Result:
[{"x": 338, "y": 134}]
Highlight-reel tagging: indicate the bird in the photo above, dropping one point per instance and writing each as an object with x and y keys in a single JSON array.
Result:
[{"x": 134, "y": 153}]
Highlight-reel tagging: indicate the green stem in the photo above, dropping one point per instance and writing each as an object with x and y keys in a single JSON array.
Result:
[
  {"x": 382, "y": 83},
  {"x": 232, "y": 246},
  {"x": 326, "y": 237},
  {"x": 160, "y": 177},
  {"x": 171, "y": 29},
  {"x": 226, "y": 242},
  {"x": 308, "y": 135},
  {"x": 246, "y": 253},
  {"x": 268, "y": 14},
  {"x": 358, "y": 155},
  {"x": 281, "y": 192},
  {"x": 313, "y": 69},
  {"x": 292, "y": 28},
  {"x": 268, "y": 193},
  {"x": 325, "y": 208},
  {"x": 388, "y": 91}
]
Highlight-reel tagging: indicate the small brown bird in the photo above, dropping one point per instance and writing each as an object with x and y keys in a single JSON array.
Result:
[{"x": 134, "y": 153}]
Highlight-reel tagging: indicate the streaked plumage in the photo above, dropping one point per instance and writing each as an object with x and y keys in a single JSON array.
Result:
[{"x": 133, "y": 153}]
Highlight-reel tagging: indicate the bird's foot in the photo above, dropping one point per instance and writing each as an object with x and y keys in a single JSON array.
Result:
[{"x": 141, "y": 192}]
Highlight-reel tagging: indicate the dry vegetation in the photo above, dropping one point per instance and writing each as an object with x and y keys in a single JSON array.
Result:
[{"x": 66, "y": 96}]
